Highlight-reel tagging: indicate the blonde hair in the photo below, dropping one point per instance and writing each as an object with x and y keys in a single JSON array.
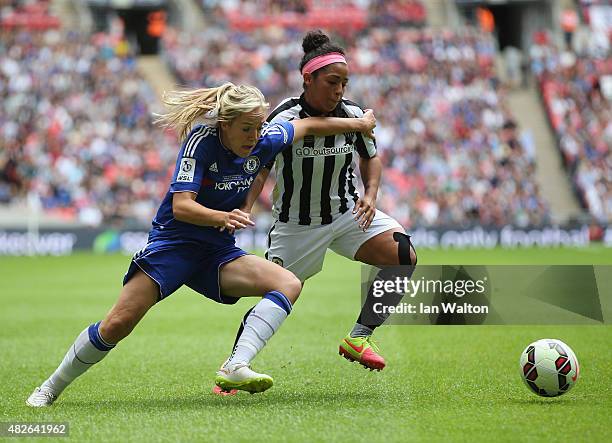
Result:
[{"x": 214, "y": 105}]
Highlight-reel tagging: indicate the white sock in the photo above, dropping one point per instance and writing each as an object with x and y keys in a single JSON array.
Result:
[
  {"x": 89, "y": 348},
  {"x": 261, "y": 324}
]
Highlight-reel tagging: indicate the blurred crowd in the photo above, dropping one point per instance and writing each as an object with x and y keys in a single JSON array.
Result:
[
  {"x": 75, "y": 128},
  {"x": 33, "y": 14},
  {"x": 452, "y": 153},
  {"x": 331, "y": 14},
  {"x": 576, "y": 85}
]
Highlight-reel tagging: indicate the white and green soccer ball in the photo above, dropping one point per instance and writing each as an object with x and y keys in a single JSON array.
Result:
[{"x": 549, "y": 367}]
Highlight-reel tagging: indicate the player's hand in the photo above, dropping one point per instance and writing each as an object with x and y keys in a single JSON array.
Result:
[
  {"x": 247, "y": 212},
  {"x": 370, "y": 123},
  {"x": 364, "y": 212},
  {"x": 236, "y": 219}
]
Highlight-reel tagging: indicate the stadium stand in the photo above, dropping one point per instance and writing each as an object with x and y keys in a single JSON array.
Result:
[
  {"x": 450, "y": 148},
  {"x": 32, "y": 15},
  {"x": 342, "y": 16},
  {"x": 75, "y": 127},
  {"x": 576, "y": 87},
  {"x": 75, "y": 117}
]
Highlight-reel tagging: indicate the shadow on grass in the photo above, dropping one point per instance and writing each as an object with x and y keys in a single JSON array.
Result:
[{"x": 311, "y": 398}]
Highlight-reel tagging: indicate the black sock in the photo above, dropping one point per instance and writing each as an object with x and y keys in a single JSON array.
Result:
[{"x": 367, "y": 316}]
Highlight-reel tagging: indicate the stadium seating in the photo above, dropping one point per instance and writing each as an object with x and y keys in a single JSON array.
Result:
[
  {"x": 75, "y": 128},
  {"x": 449, "y": 159},
  {"x": 75, "y": 119},
  {"x": 575, "y": 84},
  {"x": 30, "y": 15},
  {"x": 342, "y": 16}
]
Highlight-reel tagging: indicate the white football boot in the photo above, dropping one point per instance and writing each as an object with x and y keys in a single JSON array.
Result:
[
  {"x": 220, "y": 392},
  {"x": 240, "y": 376},
  {"x": 41, "y": 398}
]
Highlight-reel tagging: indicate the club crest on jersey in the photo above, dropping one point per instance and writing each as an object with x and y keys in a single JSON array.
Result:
[
  {"x": 251, "y": 164},
  {"x": 186, "y": 170},
  {"x": 277, "y": 260}
]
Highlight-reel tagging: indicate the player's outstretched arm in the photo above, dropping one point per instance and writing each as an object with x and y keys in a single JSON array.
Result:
[
  {"x": 323, "y": 126},
  {"x": 187, "y": 210},
  {"x": 255, "y": 190}
]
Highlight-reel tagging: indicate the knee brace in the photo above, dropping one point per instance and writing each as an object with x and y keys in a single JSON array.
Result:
[{"x": 404, "y": 245}]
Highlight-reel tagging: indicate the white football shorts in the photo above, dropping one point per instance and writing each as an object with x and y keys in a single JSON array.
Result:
[{"x": 301, "y": 249}]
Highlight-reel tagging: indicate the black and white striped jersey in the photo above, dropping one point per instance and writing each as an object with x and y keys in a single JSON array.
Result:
[{"x": 315, "y": 177}]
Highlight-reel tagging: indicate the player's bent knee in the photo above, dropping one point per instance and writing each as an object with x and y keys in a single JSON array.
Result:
[
  {"x": 405, "y": 249},
  {"x": 413, "y": 255},
  {"x": 116, "y": 327},
  {"x": 290, "y": 285}
]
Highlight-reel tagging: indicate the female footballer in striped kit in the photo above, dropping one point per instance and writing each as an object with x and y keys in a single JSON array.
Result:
[
  {"x": 316, "y": 203},
  {"x": 192, "y": 242}
]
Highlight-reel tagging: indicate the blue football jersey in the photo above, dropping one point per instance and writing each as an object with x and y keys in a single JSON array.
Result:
[{"x": 220, "y": 179}]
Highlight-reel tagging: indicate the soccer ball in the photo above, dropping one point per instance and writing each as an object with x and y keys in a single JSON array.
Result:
[{"x": 549, "y": 367}]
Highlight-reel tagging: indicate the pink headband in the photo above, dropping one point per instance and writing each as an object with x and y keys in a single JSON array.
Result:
[{"x": 321, "y": 61}]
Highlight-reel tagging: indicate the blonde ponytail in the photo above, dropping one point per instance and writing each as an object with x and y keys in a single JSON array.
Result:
[{"x": 221, "y": 104}]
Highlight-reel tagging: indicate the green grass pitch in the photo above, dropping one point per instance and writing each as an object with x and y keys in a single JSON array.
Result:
[{"x": 441, "y": 383}]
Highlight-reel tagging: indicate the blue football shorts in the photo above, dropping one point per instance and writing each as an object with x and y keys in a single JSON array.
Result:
[{"x": 172, "y": 264}]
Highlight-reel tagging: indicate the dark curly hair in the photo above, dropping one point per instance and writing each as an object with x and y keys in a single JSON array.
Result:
[{"x": 316, "y": 43}]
